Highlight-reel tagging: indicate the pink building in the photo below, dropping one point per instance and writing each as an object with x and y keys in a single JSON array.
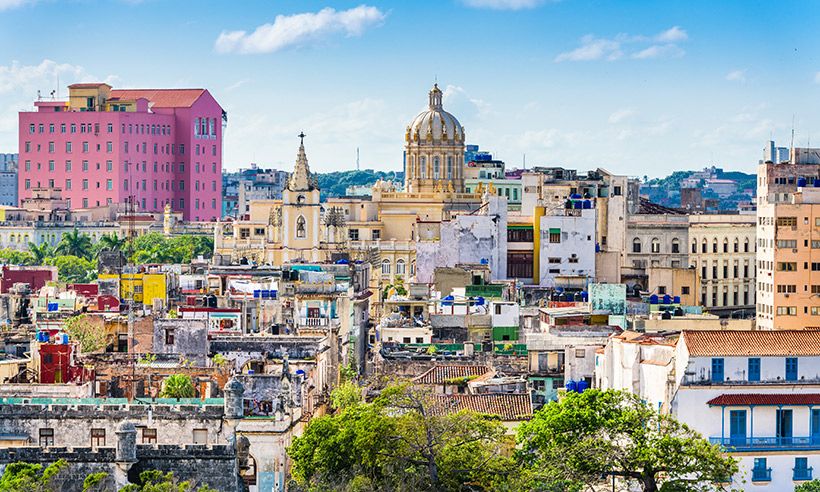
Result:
[{"x": 158, "y": 146}]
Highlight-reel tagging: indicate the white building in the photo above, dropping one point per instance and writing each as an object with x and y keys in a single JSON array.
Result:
[
  {"x": 756, "y": 393},
  {"x": 567, "y": 247}
]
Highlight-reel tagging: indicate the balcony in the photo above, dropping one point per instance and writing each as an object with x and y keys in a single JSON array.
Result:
[
  {"x": 761, "y": 474},
  {"x": 802, "y": 473},
  {"x": 312, "y": 321},
  {"x": 767, "y": 443}
]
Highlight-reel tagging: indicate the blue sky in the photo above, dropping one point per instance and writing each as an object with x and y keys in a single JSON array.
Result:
[{"x": 635, "y": 87}]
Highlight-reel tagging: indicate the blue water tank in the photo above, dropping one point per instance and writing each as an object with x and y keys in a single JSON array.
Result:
[
  {"x": 801, "y": 182},
  {"x": 569, "y": 297},
  {"x": 597, "y": 248},
  {"x": 447, "y": 301},
  {"x": 479, "y": 301},
  {"x": 575, "y": 196},
  {"x": 571, "y": 386},
  {"x": 559, "y": 289},
  {"x": 485, "y": 261},
  {"x": 816, "y": 183},
  {"x": 676, "y": 300},
  {"x": 584, "y": 296},
  {"x": 653, "y": 299},
  {"x": 342, "y": 261},
  {"x": 582, "y": 385},
  {"x": 587, "y": 204},
  {"x": 667, "y": 299}
]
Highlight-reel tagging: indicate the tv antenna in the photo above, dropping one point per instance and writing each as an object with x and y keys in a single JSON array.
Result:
[{"x": 357, "y": 158}]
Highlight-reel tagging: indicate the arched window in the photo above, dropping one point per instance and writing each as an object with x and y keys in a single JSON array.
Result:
[
  {"x": 385, "y": 267},
  {"x": 423, "y": 167},
  {"x": 436, "y": 167},
  {"x": 694, "y": 246},
  {"x": 746, "y": 245},
  {"x": 656, "y": 245},
  {"x": 714, "y": 245},
  {"x": 400, "y": 267},
  {"x": 725, "y": 245},
  {"x": 675, "y": 245},
  {"x": 636, "y": 245},
  {"x": 737, "y": 246},
  {"x": 449, "y": 167},
  {"x": 412, "y": 268},
  {"x": 300, "y": 227},
  {"x": 703, "y": 246}
]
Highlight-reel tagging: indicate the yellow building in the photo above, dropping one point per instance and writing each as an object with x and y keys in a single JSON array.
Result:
[
  {"x": 144, "y": 288},
  {"x": 382, "y": 229}
]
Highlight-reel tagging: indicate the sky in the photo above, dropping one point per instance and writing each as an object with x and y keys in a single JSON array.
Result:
[{"x": 638, "y": 88}]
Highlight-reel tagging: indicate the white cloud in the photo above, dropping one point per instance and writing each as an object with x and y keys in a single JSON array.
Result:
[
  {"x": 621, "y": 115},
  {"x": 659, "y": 51},
  {"x": 593, "y": 48},
  {"x": 672, "y": 35},
  {"x": 13, "y": 4},
  {"x": 817, "y": 78},
  {"x": 458, "y": 102},
  {"x": 297, "y": 29},
  {"x": 43, "y": 76},
  {"x": 504, "y": 4},
  {"x": 638, "y": 47},
  {"x": 736, "y": 76}
]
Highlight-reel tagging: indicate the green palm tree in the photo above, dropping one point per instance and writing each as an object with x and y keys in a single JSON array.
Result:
[
  {"x": 111, "y": 242},
  {"x": 178, "y": 386},
  {"x": 40, "y": 252},
  {"x": 74, "y": 243}
]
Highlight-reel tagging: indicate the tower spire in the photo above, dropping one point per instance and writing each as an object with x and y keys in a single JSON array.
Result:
[{"x": 301, "y": 179}]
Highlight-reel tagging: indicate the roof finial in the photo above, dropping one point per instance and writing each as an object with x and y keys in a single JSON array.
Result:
[{"x": 301, "y": 138}]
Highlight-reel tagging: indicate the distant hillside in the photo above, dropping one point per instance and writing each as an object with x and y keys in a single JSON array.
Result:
[
  {"x": 666, "y": 191},
  {"x": 335, "y": 184}
]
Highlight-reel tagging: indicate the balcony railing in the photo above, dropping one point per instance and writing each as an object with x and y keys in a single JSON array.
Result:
[
  {"x": 761, "y": 474},
  {"x": 313, "y": 321},
  {"x": 767, "y": 443},
  {"x": 802, "y": 473}
]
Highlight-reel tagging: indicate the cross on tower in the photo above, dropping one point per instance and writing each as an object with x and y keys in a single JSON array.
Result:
[{"x": 301, "y": 137}]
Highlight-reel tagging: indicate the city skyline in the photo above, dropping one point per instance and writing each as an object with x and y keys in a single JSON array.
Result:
[{"x": 631, "y": 88}]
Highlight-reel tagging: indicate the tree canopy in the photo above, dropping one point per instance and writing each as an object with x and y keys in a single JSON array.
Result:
[
  {"x": 28, "y": 477},
  {"x": 401, "y": 441},
  {"x": 597, "y": 433},
  {"x": 178, "y": 386}
]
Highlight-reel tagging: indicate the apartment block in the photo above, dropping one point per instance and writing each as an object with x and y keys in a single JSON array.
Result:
[{"x": 155, "y": 147}]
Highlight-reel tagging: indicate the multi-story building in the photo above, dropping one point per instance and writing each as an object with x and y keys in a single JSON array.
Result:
[
  {"x": 755, "y": 393},
  {"x": 788, "y": 242},
  {"x": 485, "y": 173},
  {"x": 8, "y": 180},
  {"x": 722, "y": 250},
  {"x": 719, "y": 247},
  {"x": 103, "y": 146}
]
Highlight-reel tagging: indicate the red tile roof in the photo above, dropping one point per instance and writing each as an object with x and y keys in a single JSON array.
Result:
[
  {"x": 162, "y": 98},
  {"x": 87, "y": 85},
  {"x": 514, "y": 406},
  {"x": 443, "y": 374},
  {"x": 766, "y": 399},
  {"x": 705, "y": 343}
]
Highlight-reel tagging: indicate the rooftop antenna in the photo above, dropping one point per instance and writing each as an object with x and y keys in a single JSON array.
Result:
[
  {"x": 357, "y": 158},
  {"x": 525, "y": 161},
  {"x": 791, "y": 145},
  {"x": 38, "y": 95}
]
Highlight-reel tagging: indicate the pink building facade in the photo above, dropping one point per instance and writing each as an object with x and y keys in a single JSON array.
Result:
[{"x": 103, "y": 146}]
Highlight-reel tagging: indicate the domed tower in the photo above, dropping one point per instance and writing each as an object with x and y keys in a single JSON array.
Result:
[{"x": 434, "y": 150}]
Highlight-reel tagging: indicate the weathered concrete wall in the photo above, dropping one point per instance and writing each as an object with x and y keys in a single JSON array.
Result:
[{"x": 190, "y": 338}]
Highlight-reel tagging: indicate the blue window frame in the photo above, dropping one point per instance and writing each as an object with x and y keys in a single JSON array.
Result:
[
  {"x": 760, "y": 472},
  {"x": 754, "y": 368},
  {"x": 737, "y": 427},
  {"x": 784, "y": 425},
  {"x": 717, "y": 370},
  {"x": 801, "y": 469},
  {"x": 815, "y": 426},
  {"x": 791, "y": 368}
]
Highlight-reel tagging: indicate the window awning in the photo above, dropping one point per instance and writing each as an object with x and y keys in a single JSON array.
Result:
[{"x": 763, "y": 399}]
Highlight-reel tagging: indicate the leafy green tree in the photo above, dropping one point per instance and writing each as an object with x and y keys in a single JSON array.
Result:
[
  {"x": 90, "y": 336},
  {"x": 28, "y": 477},
  {"x": 178, "y": 386},
  {"x": 97, "y": 482},
  {"x": 75, "y": 243},
  {"x": 156, "y": 248},
  {"x": 810, "y": 486},
  {"x": 15, "y": 257},
  {"x": 110, "y": 242},
  {"x": 403, "y": 440},
  {"x": 345, "y": 395},
  {"x": 40, "y": 252},
  {"x": 73, "y": 268},
  {"x": 587, "y": 435},
  {"x": 156, "y": 481}
]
